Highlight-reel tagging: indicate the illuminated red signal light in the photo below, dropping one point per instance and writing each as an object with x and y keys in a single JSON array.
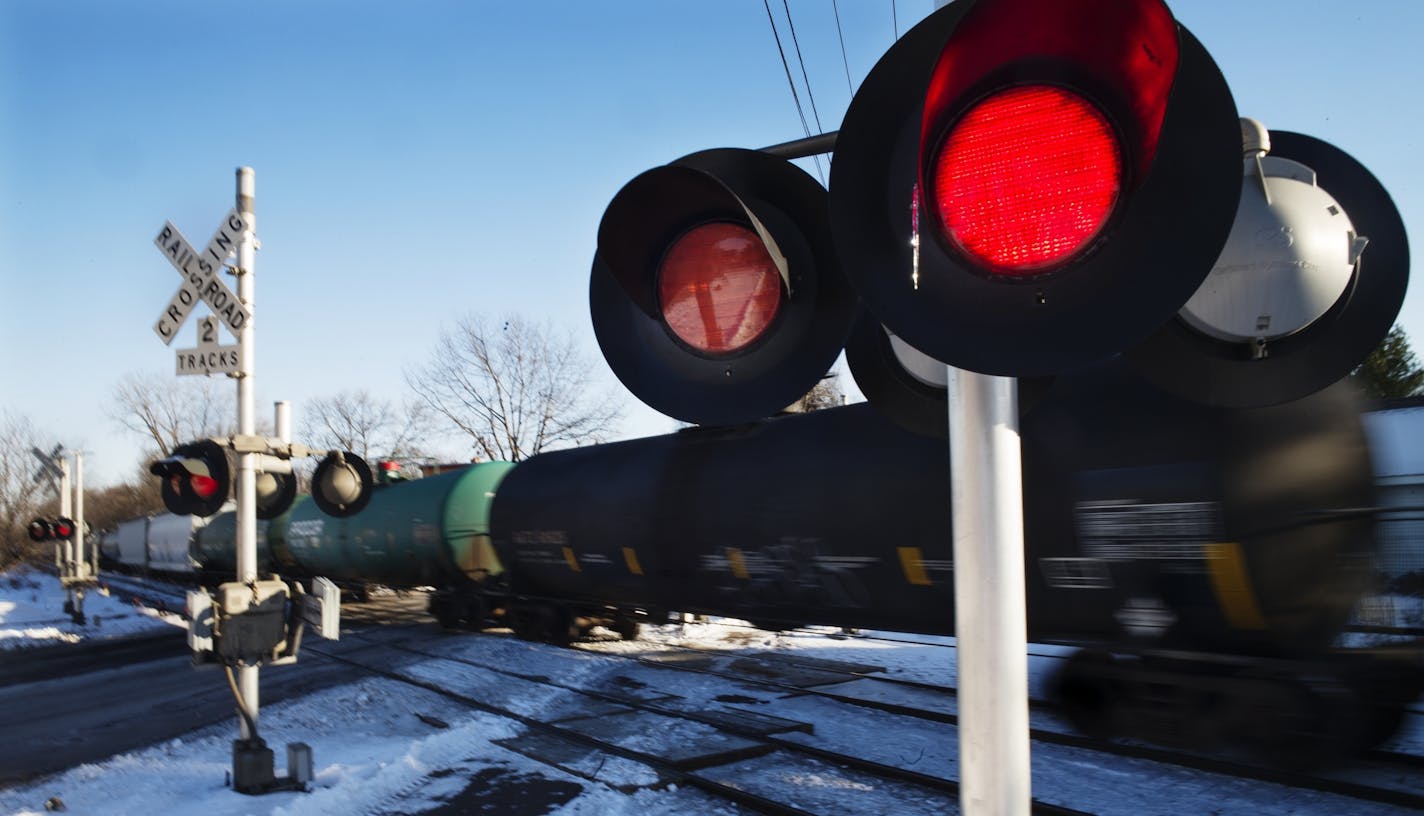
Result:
[
  {"x": 196, "y": 478},
  {"x": 1022, "y": 187},
  {"x": 718, "y": 288},
  {"x": 1026, "y": 178},
  {"x": 203, "y": 486},
  {"x": 63, "y": 529}
]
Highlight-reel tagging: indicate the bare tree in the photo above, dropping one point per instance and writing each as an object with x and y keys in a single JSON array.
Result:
[
  {"x": 22, "y": 490},
  {"x": 514, "y": 388},
  {"x": 173, "y": 411},
  {"x": 105, "y": 507},
  {"x": 365, "y": 425},
  {"x": 826, "y": 393}
]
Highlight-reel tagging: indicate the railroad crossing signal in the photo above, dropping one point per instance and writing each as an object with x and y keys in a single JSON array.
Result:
[
  {"x": 342, "y": 484},
  {"x": 1310, "y": 281},
  {"x": 1020, "y": 187},
  {"x": 1024, "y": 186},
  {"x": 51, "y": 529},
  {"x": 716, "y": 294},
  {"x": 196, "y": 478}
]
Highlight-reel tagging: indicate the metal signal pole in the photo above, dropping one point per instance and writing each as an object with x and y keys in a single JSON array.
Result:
[
  {"x": 246, "y": 425},
  {"x": 986, "y": 488}
]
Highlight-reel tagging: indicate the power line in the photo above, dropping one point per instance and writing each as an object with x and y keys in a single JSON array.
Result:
[
  {"x": 844, "y": 61},
  {"x": 805, "y": 126},
  {"x": 895, "y": 19},
  {"x": 810, "y": 96}
]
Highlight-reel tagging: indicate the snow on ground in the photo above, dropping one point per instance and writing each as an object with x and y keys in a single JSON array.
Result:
[
  {"x": 381, "y": 746},
  {"x": 32, "y": 613},
  {"x": 373, "y": 754}
]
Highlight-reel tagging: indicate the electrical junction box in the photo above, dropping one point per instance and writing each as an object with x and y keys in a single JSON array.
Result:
[
  {"x": 299, "y": 764},
  {"x": 252, "y": 621}
]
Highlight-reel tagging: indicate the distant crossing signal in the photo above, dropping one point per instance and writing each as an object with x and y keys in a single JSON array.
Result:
[{"x": 51, "y": 529}]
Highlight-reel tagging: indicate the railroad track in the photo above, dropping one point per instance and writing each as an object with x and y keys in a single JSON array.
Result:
[
  {"x": 851, "y": 683},
  {"x": 49, "y": 662},
  {"x": 161, "y": 596},
  {"x": 799, "y": 724},
  {"x": 829, "y": 681},
  {"x": 739, "y": 739}
]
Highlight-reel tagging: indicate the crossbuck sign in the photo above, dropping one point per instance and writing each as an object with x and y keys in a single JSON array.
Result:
[{"x": 200, "y": 278}]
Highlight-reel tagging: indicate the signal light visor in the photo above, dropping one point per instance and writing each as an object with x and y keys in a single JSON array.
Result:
[
  {"x": 1027, "y": 178},
  {"x": 718, "y": 288}
]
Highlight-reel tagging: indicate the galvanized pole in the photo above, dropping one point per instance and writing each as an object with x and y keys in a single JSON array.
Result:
[
  {"x": 93, "y": 552},
  {"x": 282, "y": 414},
  {"x": 82, "y": 559},
  {"x": 246, "y": 424},
  {"x": 986, "y": 485}
]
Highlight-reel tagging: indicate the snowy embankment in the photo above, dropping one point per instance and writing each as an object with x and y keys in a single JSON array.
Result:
[{"x": 32, "y": 613}]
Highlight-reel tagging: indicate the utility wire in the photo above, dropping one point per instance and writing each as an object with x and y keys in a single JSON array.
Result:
[
  {"x": 841, "y": 35},
  {"x": 895, "y": 19},
  {"x": 786, "y": 5},
  {"x": 805, "y": 126}
]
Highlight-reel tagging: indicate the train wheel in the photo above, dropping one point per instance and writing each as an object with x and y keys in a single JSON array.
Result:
[
  {"x": 1087, "y": 692},
  {"x": 559, "y": 626},
  {"x": 475, "y": 612},
  {"x": 443, "y": 611},
  {"x": 522, "y": 623},
  {"x": 626, "y": 627},
  {"x": 1288, "y": 725}
]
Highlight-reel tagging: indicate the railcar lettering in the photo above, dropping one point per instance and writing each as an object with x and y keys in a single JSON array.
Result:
[
  {"x": 311, "y": 527},
  {"x": 526, "y": 537}
]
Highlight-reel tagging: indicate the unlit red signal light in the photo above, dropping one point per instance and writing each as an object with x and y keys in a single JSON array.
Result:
[
  {"x": 719, "y": 288},
  {"x": 716, "y": 294}
]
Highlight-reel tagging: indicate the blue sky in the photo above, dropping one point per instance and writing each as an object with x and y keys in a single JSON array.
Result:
[{"x": 419, "y": 161}]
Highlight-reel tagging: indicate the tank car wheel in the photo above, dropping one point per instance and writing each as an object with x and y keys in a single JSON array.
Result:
[
  {"x": 1288, "y": 725},
  {"x": 476, "y": 611},
  {"x": 522, "y": 623},
  {"x": 558, "y": 626},
  {"x": 626, "y": 627},
  {"x": 1086, "y": 693},
  {"x": 442, "y": 609},
  {"x": 1379, "y": 722}
]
